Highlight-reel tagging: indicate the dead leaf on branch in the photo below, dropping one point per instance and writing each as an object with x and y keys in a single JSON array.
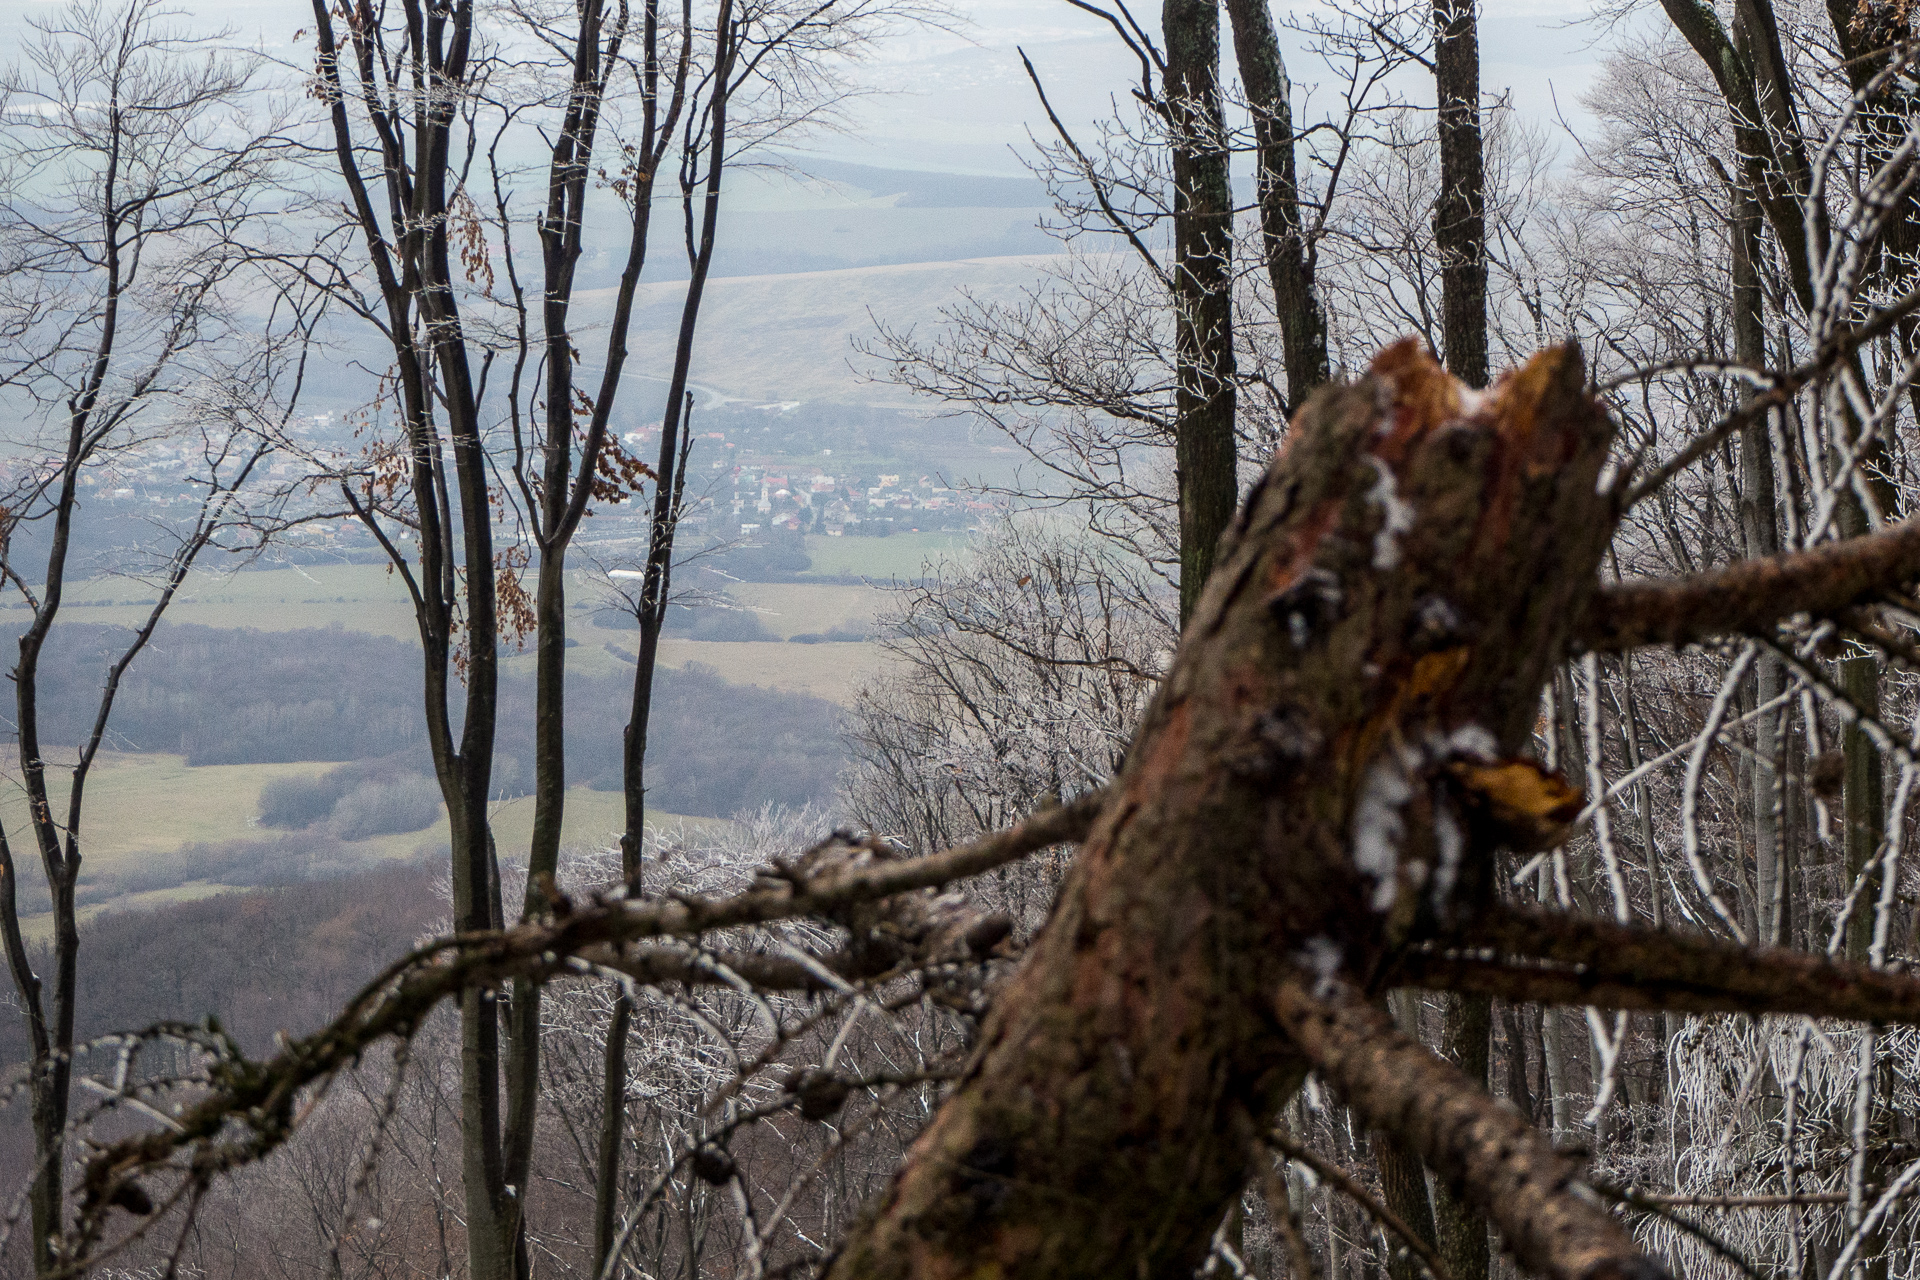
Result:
[{"x": 1528, "y": 807}]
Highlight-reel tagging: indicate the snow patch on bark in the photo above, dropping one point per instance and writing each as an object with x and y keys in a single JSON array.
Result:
[
  {"x": 1453, "y": 847},
  {"x": 1321, "y": 957},
  {"x": 1378, "y": 828},
  {"x": 1471, "y": 742},
  {"x": 1398, "y": 515}
]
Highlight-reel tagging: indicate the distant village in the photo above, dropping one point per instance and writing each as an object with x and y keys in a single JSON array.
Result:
[
  {"x": 742, "y": 483},
  {"x": 748, "y": 494}
]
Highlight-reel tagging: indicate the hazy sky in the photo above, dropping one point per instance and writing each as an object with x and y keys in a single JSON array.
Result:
[{"x": 960, "y": 101}]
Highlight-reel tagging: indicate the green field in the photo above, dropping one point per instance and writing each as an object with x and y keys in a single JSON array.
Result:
[
  {"x": 144, "y": 809},
  {"x": 904, "y": 555},
  {"x": 367, "y": 598}
]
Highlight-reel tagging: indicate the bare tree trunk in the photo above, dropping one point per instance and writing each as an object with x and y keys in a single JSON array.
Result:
[
  {"x": 1403, "y": 1180},
  {"x": 1204, "y": 397},
  {"x": 1466, "y": 1039},
  {"x": 613, "y": 1133},
  {"x": 1283, "y": 221},
  {"x": 1460, "y": 230},
  {"x": 1553, "y": 1041},
  {"x": 1459, "y": 215},
  {"x": 1761, "y": 535},
  {"x": 670, "y": 479},
  {"x": 1863, "y": 803}
]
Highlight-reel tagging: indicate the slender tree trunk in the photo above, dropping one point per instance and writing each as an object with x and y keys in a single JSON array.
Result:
[
  {"x": 1863, "y": 803},
  {"x": 1553, "y": 1040},
  {"x": 1204, "y": 397},
  {"x": 1459, "y": 215},
  {"x": 1519, "y": 1092},
  {"x": 1460, "y": 232},
  {"x": 1403, "y": 1179},
  {"x": 1466, "y": 1039},
  {"x": 613, "y": 1132},
  {"x": 1649, "y": 845},
  {"x": 670, "y": 478},
  {"x": 1283, "y": 221},
  {"x": 1760, "y": 533}
]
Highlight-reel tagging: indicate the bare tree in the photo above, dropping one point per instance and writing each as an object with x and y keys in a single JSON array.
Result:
[
  {"x": 129, "y": 168},
  {"x": 418, "y": 98}
]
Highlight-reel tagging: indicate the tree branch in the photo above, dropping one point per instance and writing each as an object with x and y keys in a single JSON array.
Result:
[
  {"x": 1488, "y": 1153},
  {"x": 249, "y": 1111},
  {"x": 1551, "y": 958},
  {"x": 1752, "y": 595}
]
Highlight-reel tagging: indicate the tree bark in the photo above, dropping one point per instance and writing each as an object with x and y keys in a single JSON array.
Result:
[
  {"x": 1299, "y": 802},
  {"x": 1459, "y": 215},
  {"x": 1403, "y": 1180},
  {"x": 1204, "y": 395},
  {"x": 613, "y": 1125},
  {"x": 1760, "y": 532},
  {"x": 1284, "y": 238},
  {"x": 1460, "y": 232},
  {"x": 1466, "y": 1040},
  {"x": 1862, "y": 803}
]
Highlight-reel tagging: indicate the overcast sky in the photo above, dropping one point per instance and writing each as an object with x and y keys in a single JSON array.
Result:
[{"x": 960, "y": 102}]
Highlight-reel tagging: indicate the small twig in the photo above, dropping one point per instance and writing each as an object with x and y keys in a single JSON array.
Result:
[
  {"x": 1352, "y": 1188},
  {"x": 1663, "y": 1210},
  {"x": 1656, "y": 1198}
]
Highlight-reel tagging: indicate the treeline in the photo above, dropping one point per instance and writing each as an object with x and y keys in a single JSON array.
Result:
[
  {"x": 713, "y": 747},
  {"x": 260, "y": 961},
  {"x": 240, "y": 696}
]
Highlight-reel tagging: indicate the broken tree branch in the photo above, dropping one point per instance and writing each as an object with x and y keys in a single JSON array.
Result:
[
  {"x": 1751, "y": 596},
  {"x": 1493, "y": 1158},
  {"x": 1547, "y": 957}
]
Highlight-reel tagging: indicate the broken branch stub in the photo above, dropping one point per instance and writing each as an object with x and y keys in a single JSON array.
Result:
[{"x": 1299, "y": 804}]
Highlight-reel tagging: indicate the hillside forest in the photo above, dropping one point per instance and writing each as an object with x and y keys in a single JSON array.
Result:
[{"x": 1340, "y": 704}]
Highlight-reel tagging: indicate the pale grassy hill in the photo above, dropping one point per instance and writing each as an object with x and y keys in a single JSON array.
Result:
[
  {"x": 143, "y": 810},
  {"x": 368, "y": 598},
  {"x": 790, "y": 337}
]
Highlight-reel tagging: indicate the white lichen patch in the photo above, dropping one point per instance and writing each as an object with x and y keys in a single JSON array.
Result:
[
  {"x": 1321, "y": 957},
  {"x": 1397, "y": 515},
  {"x": 1452, "y": 843},
  {"x": 1378, "y": 827},
  {"x": 1471, "y": 742}
]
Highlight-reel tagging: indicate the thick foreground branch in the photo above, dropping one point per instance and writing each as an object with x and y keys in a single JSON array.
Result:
[
  {"x": 1545, "y": 957},
  {"x": 1753, "y": 595},
  {"x": 1487, "y": 1152},
  {"x": 249, "y": 1110}
]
